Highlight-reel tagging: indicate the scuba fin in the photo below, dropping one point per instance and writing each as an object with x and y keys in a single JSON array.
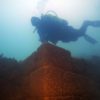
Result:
[{"x": 90, "y": 39}]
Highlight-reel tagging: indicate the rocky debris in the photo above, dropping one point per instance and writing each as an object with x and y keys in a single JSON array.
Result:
[{"x": 51, "y": 73}]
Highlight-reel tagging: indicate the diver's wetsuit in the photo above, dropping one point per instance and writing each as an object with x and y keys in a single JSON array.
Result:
[{"x": 53, "y": 29}]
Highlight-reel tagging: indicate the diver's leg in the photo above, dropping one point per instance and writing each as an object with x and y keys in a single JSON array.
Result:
[
  {"x": 95, "y": 23},
  {"x": 85, "y": 25}
]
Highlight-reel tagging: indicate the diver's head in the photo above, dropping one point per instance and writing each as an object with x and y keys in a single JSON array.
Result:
[{"x": 35, "y": 21}]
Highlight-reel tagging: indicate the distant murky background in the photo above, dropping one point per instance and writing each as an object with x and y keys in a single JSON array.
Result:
[{"x": 17, "y": 39}]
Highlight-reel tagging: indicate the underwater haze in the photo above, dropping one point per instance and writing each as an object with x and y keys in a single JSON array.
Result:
[{"x": 17, "y": 39}]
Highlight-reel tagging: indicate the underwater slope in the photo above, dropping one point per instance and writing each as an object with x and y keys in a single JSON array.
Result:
[
  {"x": 57, "y": 76},
  {"x": 49, "y": 74}
]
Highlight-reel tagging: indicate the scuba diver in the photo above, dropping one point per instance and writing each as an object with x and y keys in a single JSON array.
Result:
[{"x": 52, "y": 29}]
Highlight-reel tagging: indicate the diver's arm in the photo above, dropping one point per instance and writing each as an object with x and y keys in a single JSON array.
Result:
[{"x": 43, "y": 37}]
